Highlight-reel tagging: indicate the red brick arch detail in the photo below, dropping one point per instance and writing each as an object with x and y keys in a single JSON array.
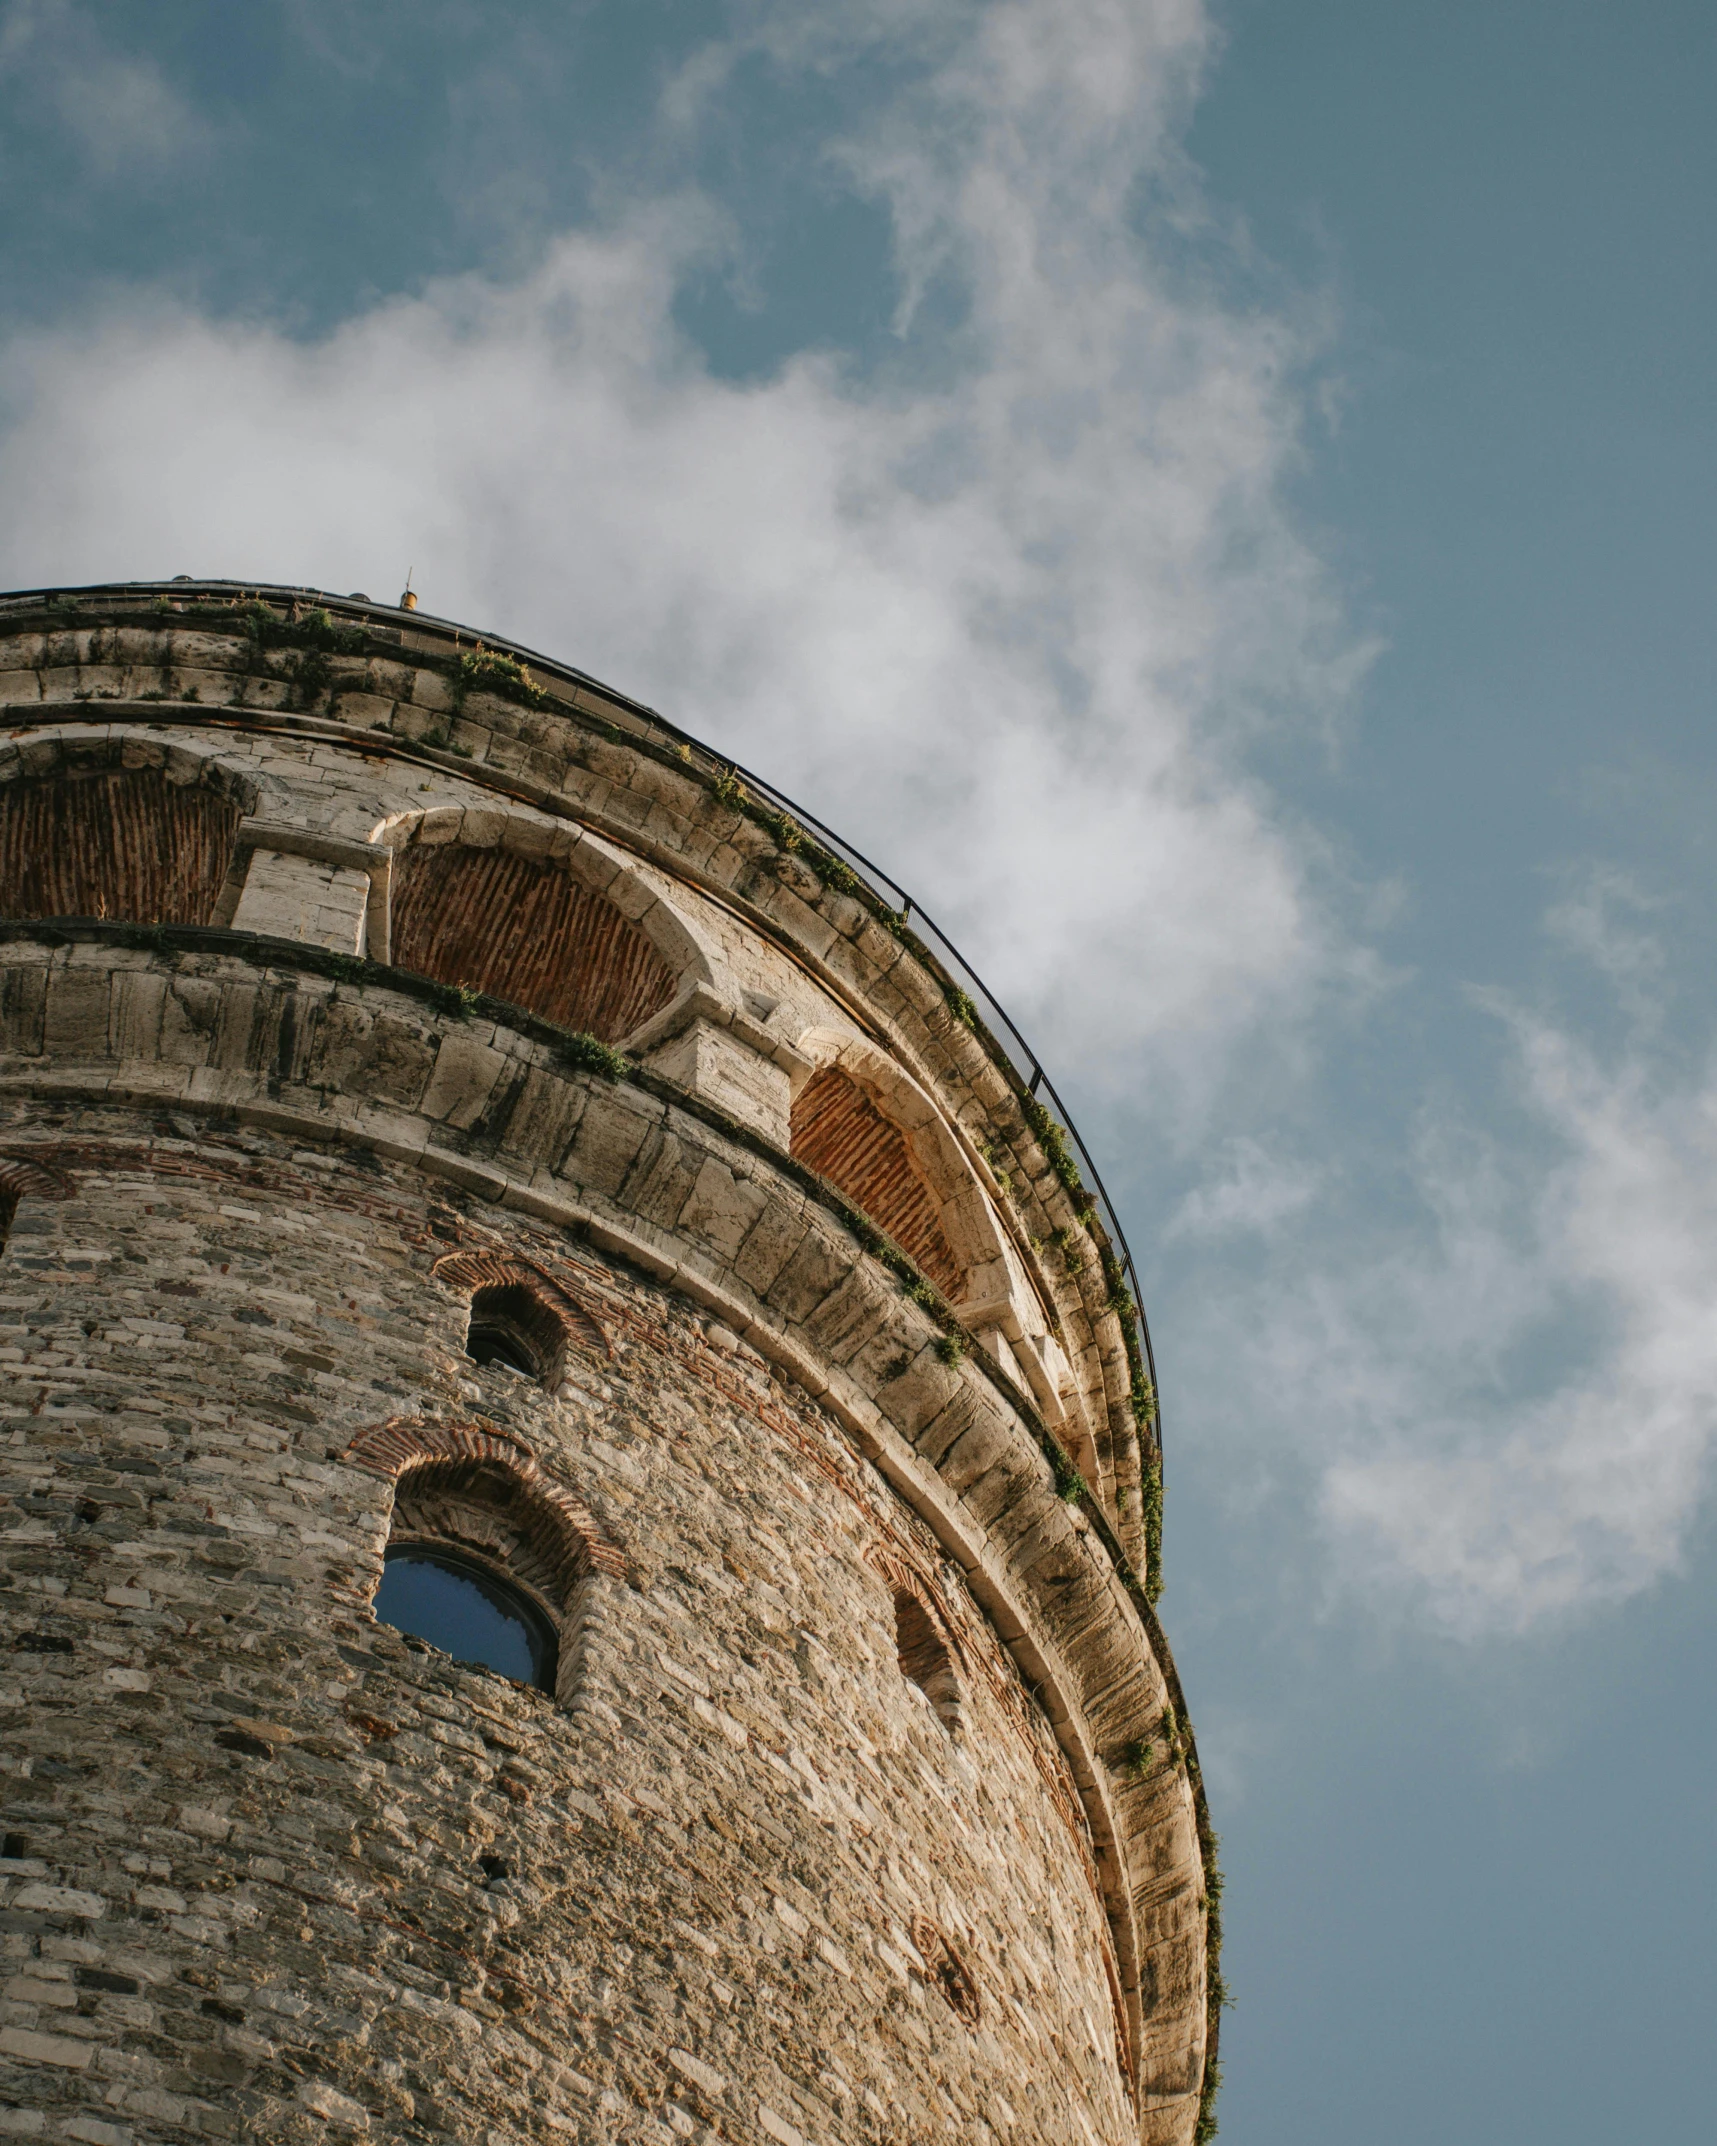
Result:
[
  {"x": 139, "y": 843},
  {"x": 402, "y": 1444},
  {"x": 529, "y": 932},
  {"x": 838, "y": 1129},
  {"x": 472, "y": 1271},
  {"x": 911, "y": 1579},
  {"x": 21, "y": 1179}
]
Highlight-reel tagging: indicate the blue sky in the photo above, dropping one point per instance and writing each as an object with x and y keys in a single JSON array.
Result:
[{"x": 1221, "y": 502}]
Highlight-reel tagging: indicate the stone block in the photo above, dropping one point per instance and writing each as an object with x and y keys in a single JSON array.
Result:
[
  {"x": 721, "y": 1209},
  {"x": 537, "y": 1117},
  {"x": 714, "y": 1063},
  {"x": 296, "y": 897},
  {"x": 76, "y": 1020},
  {"x": 811, "y": 1274},
  {"x": 464, "y": 1078},
  {"x": 64, "y": 2052},
  {"x": 23, "y": 1003},
  {"x": 134, "y": 1025},
  {"x": 611, "y": 1133}
]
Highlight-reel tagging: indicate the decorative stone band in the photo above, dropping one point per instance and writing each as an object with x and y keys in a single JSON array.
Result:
[
  {"x": 471, "y": 1271},
  {"x": 404, "y": 1444}
]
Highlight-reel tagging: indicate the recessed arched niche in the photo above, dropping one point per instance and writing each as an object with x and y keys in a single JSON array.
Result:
[
  {"x": 528, "y": 931},
  {"x": 866, "y": 1125},
  {"x": 519, "y": 1321},
  {"x": 147, "y": 845},
  {"x": 840, "y": 1131},
  {"x": 25, "y": 1180},
  {"x": 925, "y": 1658}
]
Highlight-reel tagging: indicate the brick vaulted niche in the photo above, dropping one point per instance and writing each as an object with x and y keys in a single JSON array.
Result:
[
  {"x": 528, "y": 933},
  {"x": 97, "y": 841},
  {"x": 579, "y": 1514},
  {"x": 838, "y": 1130}
]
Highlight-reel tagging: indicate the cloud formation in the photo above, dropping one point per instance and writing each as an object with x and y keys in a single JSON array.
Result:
[
  {"x": 118, "y": 109},
  {"x": 1503, "y": 1404},
  {"x": 1006, "y": 610}
]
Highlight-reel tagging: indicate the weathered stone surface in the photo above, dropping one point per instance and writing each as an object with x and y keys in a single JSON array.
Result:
[
  {"x": 270, "y": 1870},
  {"x": 189, "y": 1556}
]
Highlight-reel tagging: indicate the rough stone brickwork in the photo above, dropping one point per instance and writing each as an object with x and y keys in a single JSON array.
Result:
[{"x": 864, "y": 1807}]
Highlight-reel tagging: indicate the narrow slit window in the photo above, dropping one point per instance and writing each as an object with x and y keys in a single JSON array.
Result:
[{"x": 924, "y": 1657}]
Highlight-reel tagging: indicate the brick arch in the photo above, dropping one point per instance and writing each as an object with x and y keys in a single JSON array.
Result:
[
  {"x": 904, "y": 1577},
  {"x": 524, "y": 926},
  {"x": 837, "y": 1128},
  {"x": 565, "y": 1541},
  {"x": 472, "y": 1271},
  {"x": 23, "y": 1179},
  {"x": 100, "y": 835},
  {"x": 925, "y": 1657}
]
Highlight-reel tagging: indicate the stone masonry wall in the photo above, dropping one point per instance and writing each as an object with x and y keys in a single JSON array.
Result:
[
  {"x": 571, "y": 748},
  {"x": 272, "y": 1872}
]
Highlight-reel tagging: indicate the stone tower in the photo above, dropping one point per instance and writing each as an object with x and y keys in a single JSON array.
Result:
[{"x": 456, "y": 1131}]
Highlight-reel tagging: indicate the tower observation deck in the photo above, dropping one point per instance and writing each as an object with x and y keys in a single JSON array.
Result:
[{"x": 580, "y": 1488}]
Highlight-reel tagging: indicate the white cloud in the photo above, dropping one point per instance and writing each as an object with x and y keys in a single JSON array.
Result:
[
  {"x": 120, "y": 109},
  {"x": 1591, "y": 921},
  {"x": 1247, "y": 1191},
  {"x": 1507, "y": 1408},
  {"x": 1007, "y": 612}
]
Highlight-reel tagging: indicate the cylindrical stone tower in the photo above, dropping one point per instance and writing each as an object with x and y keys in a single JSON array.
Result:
[{"x": 579, "y": 1495}]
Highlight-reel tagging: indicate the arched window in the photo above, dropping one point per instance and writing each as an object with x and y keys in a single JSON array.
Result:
[
  {"x": 512, "y": 1325},
  {"x": 519, "y": 1318},
  {"x": 924, "y": 1657},
  {"x": 21, "y": 1180},
  {"x": 840, "y": 1132},
  {"x": 481, "y": 1564},
  {"x": 528, "y": 933},
  {"x": 468, "y": 1610},
  {"x": 127, "y": 843}
]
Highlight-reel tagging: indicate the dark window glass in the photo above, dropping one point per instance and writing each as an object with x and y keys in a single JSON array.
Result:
[{"x": 466, "y": 1612}]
